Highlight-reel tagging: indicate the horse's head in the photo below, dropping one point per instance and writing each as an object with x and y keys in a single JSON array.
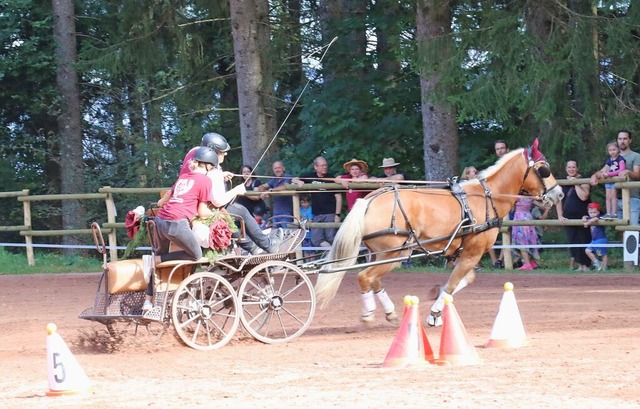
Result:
[{"x": 540, "y": 182}]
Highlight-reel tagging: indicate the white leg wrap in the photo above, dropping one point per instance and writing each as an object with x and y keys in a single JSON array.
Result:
[
  {"x": 438, "y": 306},
  {"x": 462, "y": 284},
  {"x": 385, "y": 301},
  {"x": 368, "y": 302}
]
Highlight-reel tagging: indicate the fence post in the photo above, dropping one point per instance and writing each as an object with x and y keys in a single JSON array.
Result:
[
  {"x": 506, "y": 252},
  {"x": 111, "y": 218},
  {"x": 28, "y": 239},
  {"x": 296, "y": 213}
]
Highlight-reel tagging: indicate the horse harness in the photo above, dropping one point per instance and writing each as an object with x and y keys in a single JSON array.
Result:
[{"x": 468, "y": 224}]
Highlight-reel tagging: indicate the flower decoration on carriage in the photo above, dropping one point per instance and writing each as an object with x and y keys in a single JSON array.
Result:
[
  {"x": 132, "y": 221},
  {"x": 136, "y": 229},
  {"x": 214, "y": 233}
]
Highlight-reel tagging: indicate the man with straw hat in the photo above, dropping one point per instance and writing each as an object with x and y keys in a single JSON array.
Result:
[{"x": 356, "y": 172}]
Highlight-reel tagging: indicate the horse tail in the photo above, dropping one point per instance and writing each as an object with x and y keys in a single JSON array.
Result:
[{"x": 343, "y": 253}]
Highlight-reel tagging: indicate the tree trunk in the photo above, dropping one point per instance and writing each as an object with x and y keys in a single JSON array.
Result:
[
  {"x": 250, "y": 29},
  {"x": 69, "y": 122},
  {"x": 440, "y": 132}
]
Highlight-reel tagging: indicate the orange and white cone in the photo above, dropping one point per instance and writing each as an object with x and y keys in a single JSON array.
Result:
[
  {"x": 410, "y": 347},
  {"x": 455, "y": 346},
  {"x": 508, "y": 330},
  {"x": 66, "y": 377}
]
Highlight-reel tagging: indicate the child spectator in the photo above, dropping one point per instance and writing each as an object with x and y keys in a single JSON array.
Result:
[
  {"x": 306, "y": 214},
  {"x": 468, "y": 173},
  {"x": 614, "y": 165},
  {"x": 525, "y": 235},
  {"x": 598, "y": 237}
]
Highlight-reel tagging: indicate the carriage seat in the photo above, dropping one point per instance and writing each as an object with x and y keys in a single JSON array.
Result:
[
  {"x": 125, "y": 276},
  {"x": 169, "y": 274}
]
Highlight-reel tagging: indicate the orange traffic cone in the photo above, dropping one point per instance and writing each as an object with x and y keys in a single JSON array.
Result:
[
  {"x": 507, "y": 331},
  {"x": 410, "y": 346},
  {"x": 455, "y": 346},
  {"x": 66, "y": 377}
]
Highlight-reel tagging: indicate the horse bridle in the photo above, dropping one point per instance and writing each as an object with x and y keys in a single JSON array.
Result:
[{"x": 541, "y": 168}]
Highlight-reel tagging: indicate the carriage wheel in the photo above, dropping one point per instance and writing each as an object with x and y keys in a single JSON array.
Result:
[
  {"x": 204, "y": 311},
  {"x": 276, "y": 301}
]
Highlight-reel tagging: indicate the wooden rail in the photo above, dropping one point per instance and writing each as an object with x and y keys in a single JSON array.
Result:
[{"x": 111, "y": 225}]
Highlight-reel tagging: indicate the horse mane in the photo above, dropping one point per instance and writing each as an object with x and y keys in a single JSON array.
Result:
[{"x": 485, "y": 174}]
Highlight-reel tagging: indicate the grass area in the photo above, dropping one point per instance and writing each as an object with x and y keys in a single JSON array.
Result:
[{"x": 12, "y": 263}]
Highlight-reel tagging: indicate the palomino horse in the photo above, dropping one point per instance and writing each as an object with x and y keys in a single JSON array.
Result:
[{"x": 460, "y": 222}]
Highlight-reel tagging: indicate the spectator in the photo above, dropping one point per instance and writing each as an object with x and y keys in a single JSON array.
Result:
[
  {"x": 574, "y": 206},
  {"x": 632, "y": 170},
  {"x": 306, "y": 215},
  {"x": 390, "y": 168},
  {"x": 598, "y": 237},
  {"x": 356, "y": 172},
  {"x": 525, "y": 235},
  {"x": 501, "y": 148},
  {"x": 281, "y": 205},
  {"x": 468, "y": 173},
  {"x": 539, "y": 213},
  {"x": 254, "y": 204},
  {"x": 613, "y": 167},
  {"x": 326, "y": 205}
]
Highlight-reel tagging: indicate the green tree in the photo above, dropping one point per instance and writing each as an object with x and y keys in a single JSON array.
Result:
[{"x": 69, "y": 121}]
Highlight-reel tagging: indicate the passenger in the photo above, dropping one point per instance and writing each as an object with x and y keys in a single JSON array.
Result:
[
  {"x": 256, "y": 242},
  {"x": 189, "y": 197},
  {"x": 220, "y": 197}
]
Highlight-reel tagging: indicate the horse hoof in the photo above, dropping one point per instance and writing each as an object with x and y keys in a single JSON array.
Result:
[
  {"x": 392, "y": 317},
  {"x": 434, "y": 321},
  {"x": 367, "y": 319}
]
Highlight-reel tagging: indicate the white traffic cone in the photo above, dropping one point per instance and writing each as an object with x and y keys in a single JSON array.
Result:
[
  {"x": 66, "y": 377},
  {"x": 508, "y": 331}
]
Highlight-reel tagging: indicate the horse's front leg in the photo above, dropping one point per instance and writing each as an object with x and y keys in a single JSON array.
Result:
[{"x": 454, "y": 285}]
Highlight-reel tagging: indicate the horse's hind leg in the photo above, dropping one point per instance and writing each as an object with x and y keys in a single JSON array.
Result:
[{"x": 371, "y": 288}]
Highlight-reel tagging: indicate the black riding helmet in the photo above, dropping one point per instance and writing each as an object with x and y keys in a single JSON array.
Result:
[
  {"x": 215, "y": 141},
  {"x": 205, "y": 154}
]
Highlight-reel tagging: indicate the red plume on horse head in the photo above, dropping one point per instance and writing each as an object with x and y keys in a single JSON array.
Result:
[{"x": 534, "y": 153}]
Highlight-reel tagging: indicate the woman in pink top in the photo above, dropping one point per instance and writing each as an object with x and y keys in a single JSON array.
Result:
[{"x": 357, "y": 172}]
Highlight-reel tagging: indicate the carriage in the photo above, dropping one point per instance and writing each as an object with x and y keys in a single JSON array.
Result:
[
  {"x": 207, "y": 300},
  {"x": 274, "y": 298}
]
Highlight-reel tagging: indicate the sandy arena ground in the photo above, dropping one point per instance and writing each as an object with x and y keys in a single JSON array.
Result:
[{"x": 584, "y": 333}]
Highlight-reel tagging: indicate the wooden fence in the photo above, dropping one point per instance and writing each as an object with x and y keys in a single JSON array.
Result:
[{"x": 110, "y": 225}]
